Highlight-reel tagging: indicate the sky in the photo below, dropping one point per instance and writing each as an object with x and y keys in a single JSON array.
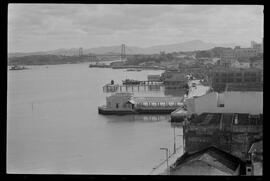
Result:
[{"x": 43, "y": 27}]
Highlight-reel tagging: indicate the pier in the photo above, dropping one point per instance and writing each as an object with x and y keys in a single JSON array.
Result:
[{"x": 125, "y": 103}]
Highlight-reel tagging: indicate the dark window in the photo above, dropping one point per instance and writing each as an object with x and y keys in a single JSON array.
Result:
[
  {"x": 220, "y": 105},
  {"x": 117, "y": 105}
]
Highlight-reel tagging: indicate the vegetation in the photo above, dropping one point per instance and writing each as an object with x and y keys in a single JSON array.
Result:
[{"x": 48, "y": 59}]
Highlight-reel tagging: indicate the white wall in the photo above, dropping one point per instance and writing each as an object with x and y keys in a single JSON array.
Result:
[{"x": 235, "y": 102}]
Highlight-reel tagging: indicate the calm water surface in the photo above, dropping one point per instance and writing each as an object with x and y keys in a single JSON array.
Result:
[{"x": 53, "y": 125}]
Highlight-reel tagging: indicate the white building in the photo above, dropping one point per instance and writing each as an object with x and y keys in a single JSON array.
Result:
[
  {"x": 237, "y": 64},
  {"x": 227, "y": 102}
]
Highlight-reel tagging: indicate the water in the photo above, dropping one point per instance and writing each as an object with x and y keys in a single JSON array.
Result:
[{"x": 53, "y": 126}]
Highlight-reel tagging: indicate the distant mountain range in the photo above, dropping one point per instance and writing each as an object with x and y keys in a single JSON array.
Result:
[{"x": 184, "y": 46}]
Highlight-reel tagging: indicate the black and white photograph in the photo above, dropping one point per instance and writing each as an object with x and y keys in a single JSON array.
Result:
[{"x": 134, "y": 89}]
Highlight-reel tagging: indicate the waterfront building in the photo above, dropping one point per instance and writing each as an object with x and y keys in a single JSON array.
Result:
[
  {"x": 230, "y": 132},
  {"x": 243, "y": 65},
  {"x": 126, "y": 103},
  {"x": 153, "y": 78},
  {"x": 244, "y": 53},
  {"x": 227, "y": 102},
  {"x": 220, "y": 77},
  {"x": 117, "y": 103},
  {"x": 208, "y": 161},
  {"x": 174, "y": 80}
]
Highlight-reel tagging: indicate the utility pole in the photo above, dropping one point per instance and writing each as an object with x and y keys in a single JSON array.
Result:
[{"x": 167, "y": 158}]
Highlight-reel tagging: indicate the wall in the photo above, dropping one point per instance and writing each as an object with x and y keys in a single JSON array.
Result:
[{"x": 234, "y": 102}]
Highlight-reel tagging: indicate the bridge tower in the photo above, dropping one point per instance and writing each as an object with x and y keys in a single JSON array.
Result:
[{"x": 123, "y": 52}]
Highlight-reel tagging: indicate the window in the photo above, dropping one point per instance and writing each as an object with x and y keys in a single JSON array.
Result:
[
  {"x": 220, "y": 105},
  {"x": 116, "y": 105}
]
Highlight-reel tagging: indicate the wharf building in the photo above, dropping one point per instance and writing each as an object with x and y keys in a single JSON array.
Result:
[
  {"x": 126, "y": 103},
  {"x": 174, "y": 80},
  {"x": 198, "y": 70},
  {"x": 231, "y": 121},
  {"x": 221, "y": 78},
  {"x": 230, "y": 132}
]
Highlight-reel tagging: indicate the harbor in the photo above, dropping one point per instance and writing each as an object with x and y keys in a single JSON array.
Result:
[{"x": 129, "y": 89}]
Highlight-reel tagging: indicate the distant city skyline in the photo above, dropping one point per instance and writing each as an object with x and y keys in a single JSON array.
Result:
[{"x": 44, "y": 27}]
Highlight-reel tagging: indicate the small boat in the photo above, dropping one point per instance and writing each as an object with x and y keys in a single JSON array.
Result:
[{"x": 17, "y": 67}]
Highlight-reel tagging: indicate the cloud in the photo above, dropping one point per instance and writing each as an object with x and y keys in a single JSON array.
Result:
[{"x": 47, "y": 26}]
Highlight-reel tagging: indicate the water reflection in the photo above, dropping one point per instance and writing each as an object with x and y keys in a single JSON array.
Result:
[{"x": 137, "y": 118}]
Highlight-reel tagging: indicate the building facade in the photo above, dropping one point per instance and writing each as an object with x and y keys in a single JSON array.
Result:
[
  {"x": 233, "y": 133},
  {"x": 174, "y": 80},
  {"x": 226, "y": 102},
  {"x": 220, "y": 77}
]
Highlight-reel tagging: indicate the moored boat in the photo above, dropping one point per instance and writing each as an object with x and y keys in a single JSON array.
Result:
[{"x": 17, "y": 67}]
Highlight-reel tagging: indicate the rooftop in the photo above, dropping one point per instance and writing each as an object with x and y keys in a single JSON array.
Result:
[
  {"x": 235, "y": 69},
  {"x": 244, "y": 87},
  {"x": 227, "y": 118},
  {"x": 256, "y": 147},
  {"x": 157, "y": 99},
  {"x": 212, "y": 156},
  {"x": 206, "y": 119}
]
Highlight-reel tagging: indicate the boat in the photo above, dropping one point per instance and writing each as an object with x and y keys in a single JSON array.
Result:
[
  {"x": 17, "y": 67},
  {"x": 100, "y": 65},
  {"x": 131, "y": 82}
]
